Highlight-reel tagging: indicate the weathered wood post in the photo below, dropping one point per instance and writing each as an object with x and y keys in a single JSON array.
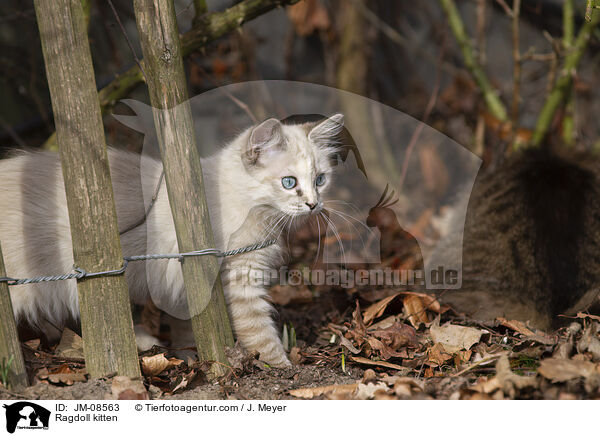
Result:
[
  {"x": 163, "y": 67},
  {"x": 107, "y": 327},
  {"x": 10, "y": 347}
]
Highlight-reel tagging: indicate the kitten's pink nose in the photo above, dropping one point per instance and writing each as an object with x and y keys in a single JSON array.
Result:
[{"x": 311, "y": 206}]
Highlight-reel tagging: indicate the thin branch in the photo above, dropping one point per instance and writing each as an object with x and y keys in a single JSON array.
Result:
[
  {"x": 589, "y": 10},
  {"x": 559, "y": 92},
  {"x": 493, "y": 103},
  {"x": 484, "y": 361},
  {"x": 507, "y": 9},
  {"x": 480, "y": 32},
  {"x": 200, "y": 8},
  {"x": 516, "y": 97},
  {"x": 131, "y": 48},
  {"x": 14, "y": 135},
  {"x": 228, "y": 94},
  {"x": 568, "y": 124},
  {"x": 209, "y": 28}
]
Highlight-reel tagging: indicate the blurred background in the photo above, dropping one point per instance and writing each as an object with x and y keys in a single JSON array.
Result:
[{"x": 401, "y": 53}]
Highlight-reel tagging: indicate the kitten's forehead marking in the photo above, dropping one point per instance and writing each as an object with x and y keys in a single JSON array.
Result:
[{"x": 303, "y": 150}]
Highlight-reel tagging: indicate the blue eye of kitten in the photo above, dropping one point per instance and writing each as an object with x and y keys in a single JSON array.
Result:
[
  {"x": 320, "y": 181},
  {"x": 288, "y": 182}
]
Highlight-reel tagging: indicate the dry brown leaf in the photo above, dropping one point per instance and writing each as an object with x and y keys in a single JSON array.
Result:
[
  {"x": 455, "y": 337},
  {"x": 587, "y": 315},
  {"x": 561, "y": 370},
  {"x": 397, "y": 336},
  {"x": 515, "y": 325},
  {"x": 385, "y": 364},
  {"x": 295, "y": 356},
  {"x": 429, "y": 301},
  {"x": 185, "y": 380},
  {"x": 487, "y": 386},
  {"x": 370, "y": 390},
  {"x": 520, "y": 327},
  {"x": 406, "y": 386},
  {"x": 67, "y": 379},
  {"x": 346, "y": 343},
  {"x": 415, "y": 310},
  {"x": 437, "y": 355},
  {"x": 154, "y": 365},
  {"x": 71, "y": 345},
  {"x": 392, "y": 380},
  {"x": 376, "y": 310},
  {"x": 383, "y": 324},
  {"x": 369, "y": 375},
  {"x": 462, "y": 357},
  {"x": 509, "y": 382},
  {"x": 63, "y": 375},
  {"x": 385, "y": 351},
  {"x": 123, "y": 388},
  {"x": 34, "y": 344},
  {"x": 308, "y": 393},
  {"x": 359, "y": 325}
]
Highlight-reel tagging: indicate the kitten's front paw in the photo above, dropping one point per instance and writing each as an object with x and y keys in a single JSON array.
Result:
[
  {"x": 273, "y": 354},
  {"x": 281, "y": 362}
]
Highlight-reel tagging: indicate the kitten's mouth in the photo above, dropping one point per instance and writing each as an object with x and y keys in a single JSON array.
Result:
[{"x": 306, "y": 213}]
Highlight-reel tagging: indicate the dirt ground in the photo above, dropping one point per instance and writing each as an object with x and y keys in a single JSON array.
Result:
[
  {"x": 358, "y": 343},
  {"x": 272, "y": 384}
]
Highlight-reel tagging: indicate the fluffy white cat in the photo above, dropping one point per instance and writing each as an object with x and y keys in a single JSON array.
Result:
[{"x": 256, "y": 185}]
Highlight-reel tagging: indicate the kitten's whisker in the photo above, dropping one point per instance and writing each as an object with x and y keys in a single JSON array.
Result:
[
  {"x": 287, "y": 218},
  {"x": 337, "y": 236},
  {"x": 289, "y": 231},
  {"x": 318, "y": 239},
  {"x": 370, "y": 230},
  {"x": 347, "y": 203},
  {"x": 270, "y": 230},
  {"x": 353, "y": 226}
]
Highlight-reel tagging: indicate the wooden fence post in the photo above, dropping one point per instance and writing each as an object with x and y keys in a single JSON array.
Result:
[
  {"x": 107, "y": 327},
  {"x": 11, "y": 357},
  {"x": 163, "y": 67}
]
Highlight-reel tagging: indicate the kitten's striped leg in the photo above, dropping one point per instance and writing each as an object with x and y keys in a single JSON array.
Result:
[{"x": 253, "y": 325}]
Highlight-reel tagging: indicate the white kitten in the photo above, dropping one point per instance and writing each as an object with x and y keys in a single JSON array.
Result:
[{"x": 267, "y": 176}]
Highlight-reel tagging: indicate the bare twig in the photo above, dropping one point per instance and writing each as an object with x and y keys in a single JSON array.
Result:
[
  {"x": 559, "y": 92},
  {"x": 129, "y": 44},
  {"x": 507, "y": 9},
  {"x": 480, "y": 34},
  {"x": 516, "y": 97},
  {"x": 484, "y": 361},
  {"x": 228, "y": 94},
  {"x": 589, "y": 10},
  {"x": 493, "y": 103},
  {"x": 568, "y": 125},
  {"x": 200, "y": 8},
  {"x": 14, "y": 135}
]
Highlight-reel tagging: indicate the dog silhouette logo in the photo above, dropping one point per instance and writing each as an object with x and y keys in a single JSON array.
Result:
[{"x": 26, "y": 415}]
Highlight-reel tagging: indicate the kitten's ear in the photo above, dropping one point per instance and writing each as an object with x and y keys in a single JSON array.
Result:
[
  {"x": 325, "y": 133},
  {"x": 264, "y": 139}
]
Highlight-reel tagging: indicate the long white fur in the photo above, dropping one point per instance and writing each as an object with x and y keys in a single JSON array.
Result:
[{"x": 243, "y": 201}]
